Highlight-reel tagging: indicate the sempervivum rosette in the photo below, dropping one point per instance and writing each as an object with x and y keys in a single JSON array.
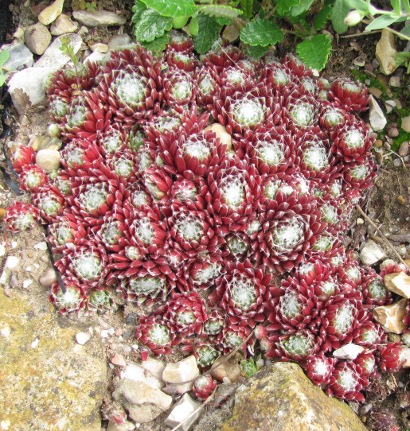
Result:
[
  {"x": 349, "y": 95},
  {"x": 359, "y": 175},
  {"x": 366, "y": 363},
  {"x": 131, "y": 85},
  {"x": 158, "y": 181},
  {"x": 370, "y": 334},
  {"x": 346, "y": 382},
  {"x": 374, "y": 291},
  {"x": 124, "y": 165},
  {"x": 235, "y": 336},
  {"x": 332, "y": 116},
  {"x": 65, "y": 229},
  {"x": 276, "y": 75},
  {"x": 111, "y": 233},
  {"x": 22, "y": 156},
  {"x": 233, "y": 192},
  {"x": 242, "y": 292},
  {"x": 69, "y": 297},
  {"x": 181, "y": 60},
  {"x": 32, "y": 178},
  {"x": 204, "y": 386},
  {"x": 392, "y": 357},
  {"x": 114, "y": 139},
  {"x": 300, "y": 111},
  {"x": 223, "y": 55},
  {"x": 20, "y": 216},
  {"x": 201, "y": 272},
  {"x": 297, "y": 346},
  {"x": 319, "y": 368},
  {"x": 49, "y": 202},
  {"x": 296, "y": 67},
  {"x": 153, "y": 333},
  {"x": 237, "y": 246},
  {"x": 85, "y": 262},
  {"x": 206, "y": 84},
  {"x": 79, "y": 153},
  {"x": 179, "y": 89},
  {"x": 183, "y": 190}
]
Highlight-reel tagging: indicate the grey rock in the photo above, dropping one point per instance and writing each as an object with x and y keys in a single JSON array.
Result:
[
  {"x": 51, "y": 12},
  {"x": 20, "y": 58},
  {"x": 53, "y": 58},
  {"x": 98, "y": 18},
  {"x": 404, "y": 149},
  {"x": 37, "y": 38},
  {"x": 405, "y": 124},
  {"x": 371, "y": 253},
  {"x": 183, "y": 413},
  {"x": 119, "y": 41},
  {"x": 376, "y": 117},
  {"x": 62, "y": 25},
  {"x": 138, "y": 374},
  {"x": 27, "y": 87}
]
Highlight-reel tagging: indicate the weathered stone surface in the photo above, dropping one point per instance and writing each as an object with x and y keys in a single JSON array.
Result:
[
  {"x": 63, "y": 24},
  {"x": 183, "y": 413},
  {"x": 37, "y": 38},
  {"x": 138, "y": 374},
  {"x": 20, "y": 57},
  {"x": 97, "y": 18},
  {"x": 50, "y": 13},
  {"x": 48, "y": 382},
  {"x": 386, "y": 53},
  {"x": 405, "y": 124},
  {"x": 398, "y": 282},
  {"x": 377, "y": 118},
  {"x": 371, "y": 253},
  {"x": 281, "y": 398},
  {"x": 49, "y": 160},
  {"x": 181, "y": 374},
  {"x": 119, "y": 41},
  {"x": 154, "y": 366},
  {"x": 391, "y": 316},
  {"x": 227, "y": 368},
  {"x": 348, "y": 351}
]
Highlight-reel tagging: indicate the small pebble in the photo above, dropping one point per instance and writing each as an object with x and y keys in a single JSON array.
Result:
[
  {"x": 393, "y": 132},
  {"x": 404, "y": 149},
  {"x": 359, "y": 221},
  {"x": 118, "y": 360},
  {"x": 41, "y": 246},
  {"x": 397, "y": 162},
  {"x": 27, "y": 283},
  {"x": 401, "y": 200},
  {"x": 378, "y": 143},
  {"x": 104, "y": 333},
  {"x": 12, "y": 262},
  {"x": 34, "y": 344},
  {"x": 82, "y": 338},
  {"x": 29, "y": 268},
  {"x": 2, "y": 250},
  {"x": 48, "y": 277},
  {"x": 394, "y": 81},
  {"x": 5, "y": 332},
  {"x": 14, "y": 244}
]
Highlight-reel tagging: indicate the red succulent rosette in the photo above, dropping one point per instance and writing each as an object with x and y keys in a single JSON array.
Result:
[
  {"x": 370, "y": 334},
  {"x": 223, "y": 55},
  {"x": 351, "y": 275},
  {"x": 155, "y": 335},
  {"x": 158, "y": 181},
  {"x": 63, "y": 182},
  {"x": 233, "y": 191},
  {"x": 374, "y": 291},
  {"x": 207, "y": 85},
  {"x": 346, "y": 382},
  {"x": 179, "y": 89},
  {"x": 69, "y": 296},
  {"x": 86, "y": 262},
  {"x": 204, "y": 386},
  {"x": 21, "y": 157},
  {"x": 79, "y": 153},
  {"x": 66, "y": 229},
  {"x": 20, "y": 216},
  {"x": 319, "y": 368},
  {"x": 242, "y": 292},
  {"x": 181, "y": 60},
  {"x": 242, "y": 75},
  {"x": 115, "y": 139},
  {"x": 349, "y": 95},
  {"x": 332, "y": 116},
  {"x": 235, "y": 336},
  {"x": 277, "y": 76},
  {"x": 300, "y": 111},
  {"x": 49, "y": 202},
  {"x": 359, "y": 175},
  {"x": 201, "y": 272},
  {"x": 273, "y": 185},
  {"x": 180, "y": 42},
  {"x": 391, "y": 357},
  {"x": 295, "y": 66},
  {"x": 366, "y": 363},
  {"x": 237, "y": 247},
  {"x": 214, "y": 324},
  {"x": 189, "y": 191},
  {"x": 389, "y": 266},
  {"x": 112, "y": 232},
  {"x": 124, "y": 165},
  {"x": 32, "y": 178}
]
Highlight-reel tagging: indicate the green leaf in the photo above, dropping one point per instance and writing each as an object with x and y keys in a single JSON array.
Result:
[
  {"x": 302, "y": 7},
  {"x": 172, "y": 8},
  {"x": 357, "y": 4},
  {"x": 406, "y": 30},
  {"x": 193, "y": 26},
  {"x": 208, "y": 32},
  {"x": 223, "y": 21},
  {"x": 4, "y": 56},
  {"x": 405, "y": 5},
  {"x": 158, "y": 44},
  {"x": 247, "y": 8},
  {"x": 151, "y": 25},
  {"x": 219, "y": 10},
  {"x": 396, "y": 6},
  {"x": 283, "y": 7},
  {"x": 314, "y": 52},
  {"x": 339, "y": 12},
  {"x": 321, "y": 18},
  {"x": 380, "y": 22},
  {"x": 261, "y": 32},
  {"x": 2, "y": 79},
  {"x": 137, "y": 10},
  {"x": 256, "y": 52}
]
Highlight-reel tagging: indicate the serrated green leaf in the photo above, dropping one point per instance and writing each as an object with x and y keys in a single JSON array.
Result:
[
  {"x": 208, "y": 32},
  {"x": 4, "y": 56},
  {"x": 283, "y": 7},
  {"x": 256, "y": 52},
  {"x": 406, "y": 30},
  {"x": 219, "y": 10},
  {"x": 261, "y": 32},
  {"x": 314, "y": 52},
  {"x": 339, "y": 12},
  {"x": 137, "y": 10},
  {"x": 380, "y": 22},
  {"x": 172, "y": 8},
  {"x": 247, "y": 8},
  {"x": 320, "y": 20},
  {"x": 151, "y": 25},
  {"x": 193, "y": 26},
  {"x": 223, "y": 21},
  {"x": 357, "y": 4},
  {"x": 158, "y": 44},
  {"x": 301, "y": 8}
]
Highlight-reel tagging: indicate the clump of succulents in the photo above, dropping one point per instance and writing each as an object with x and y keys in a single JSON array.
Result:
[{"x": 229, "y": 244}]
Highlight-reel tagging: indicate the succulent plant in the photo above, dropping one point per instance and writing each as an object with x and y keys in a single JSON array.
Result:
[{"x": 20, "y": 216}]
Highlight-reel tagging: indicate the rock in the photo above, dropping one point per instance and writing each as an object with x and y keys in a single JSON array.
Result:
[
  {"x": 47, "y": 384},
  {"x": 281, "y": 397},
  {"x": 99, "y": 47},
  {"x": 398, "y": 282},
  {"x": 125, "y": 426},
  {"x": 386, "y": 53},
  {"x": 371, "y": 253},
  {"x": 231, "y": 33},
  {"x": 97, "y": 18},
  {"x": 20, "y": 57},
  {"x": 95, "y": 57},
  {"x": 348, "y": 351},
  {"x": 37, "y": 38},
  {"x": 376, "y": 92},
  {"x": 405, "y": 354},
  {"x": 142, "y": 402},
  {"x": 154, "y": 366},
  {"x": 11, "y": 263},
  {"x": 404, "y": 149},
  {"x": 390, "y": 105},
  {"x": 136, "y": 373},
  {"x": 53, "y": 58},
  {"x": 48, "y": 160},
  {"x": 391, "y": 316},
  {"x": 181, "y": 375},
  {"x": 395, "y": 81},
  {"x": 393, "y": 132},
  {"x": 48, "y": 278},
  {"x": 82, "y": 338},
  {"x": 27, "y": 87},
  {"x": 222, "y": 134},
  {"x": 183, "y": 413},
  {"x": 118, "y": 360},
  {"x": 227, "y": 368},
  {"x": 376, "y": 117},
  {"x": 50, "y": 13},
  {"x": 119, "y": 41},
  {"x": 62, "y": 25},
  {"x": 405, "y": 124}
]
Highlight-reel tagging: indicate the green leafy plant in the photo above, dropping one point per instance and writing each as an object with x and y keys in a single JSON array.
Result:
[
  {"x": 4, "y": 56},
  {"x": 67, "y": 49},
  {"x": 84, "y": 5}
]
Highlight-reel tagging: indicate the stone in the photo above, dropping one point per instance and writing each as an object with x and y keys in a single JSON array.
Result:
[
  {"x": 395, "y": 81},
  {"x": 227, "y": 368},
  {"x": 50, "y": 13},
  {"x": 348, "y": 351},
  {"x": 183, "y": 413},
  {"x": 181, "y": 375},
  {"x": 119, "y": 41},
  {"x": 82, "y": 338},
  {"x": 20, "y": 58},
  {"x": 376, "y": 116},
  {"x": 391, "y": 316},
  {"x": 46, "y": 384},
  {"x": 48, "y": 278},
  {"x": 222, "y": 134},
  {"x": 138, "y": 374},
  {"x": 125, "y": 426},
  {"x": 62, "y": 25},
  {"x": 371, "y": 253},
  {"x": 118, "y": 360},
  {"x": 386, "y": 52},
  {"x": 27, "y": 87},
  {"x": 405, "y": 124},
  {"x": 143, "y": 402},
  {"x": 11, "y": 263},
  {"x": 154, "y": 366},
  {"x": 398, "y": 282},
  {"x": 281, "y": 397},
  {"x": 95, "y": 57},
  {"x": 98, "y": 18},
  {"x": 99, "y": 47},
  {"x": 37, "y": 38},
  {"x": 405, "y": 354},
  {"x": 48, "y": 160},
  {"x": 404, "y": 149},
  {"x": 53, "y": 58},
  {"x": 390, "y": 105}
]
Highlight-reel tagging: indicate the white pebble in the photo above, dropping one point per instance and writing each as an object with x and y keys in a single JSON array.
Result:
[
  {"x": 82, "y": 338},
  {"x": 12, "y": 262},
  {"x": 27, "y": 283},
  {"x": 104, "y": 333},
  {"x": 2, "y": 250},
  {"x": 34, "y": 344},
  {"x": 14, "y": 244},
  {"x": 29, "y": 269},
  {"x": 41, "y": 246},
  {"x": 5, "y": 332}
]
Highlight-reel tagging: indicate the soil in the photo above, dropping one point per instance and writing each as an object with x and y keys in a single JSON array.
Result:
[{"x": 388, "y": 205}]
